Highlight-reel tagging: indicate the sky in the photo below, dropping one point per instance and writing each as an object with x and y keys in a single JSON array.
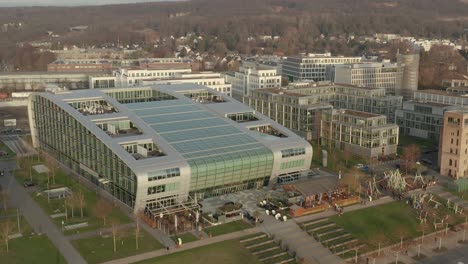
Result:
[{"x": 11, "y": 3}]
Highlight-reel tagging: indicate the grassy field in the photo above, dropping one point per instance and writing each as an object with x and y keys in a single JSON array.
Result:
[
  {"x": 30, "y": 248},
  {"x": 57, "y": 206},
  {"x": 389, "y": 222},
  {"x": 100, "y": 249},
  {"x": 227, "y": 228},
  {"x": 7, "y": 150},
  {"x": 424, "y": 144},
  {"x": 227, "y": 252}
]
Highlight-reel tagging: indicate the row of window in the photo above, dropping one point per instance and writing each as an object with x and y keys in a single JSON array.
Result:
[
  {"x": 163, "y": 188},
  {"x": 163, "y": 174},
  {"x": 292, "y": 152}
]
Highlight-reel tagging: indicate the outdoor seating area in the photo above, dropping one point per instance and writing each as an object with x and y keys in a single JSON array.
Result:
[
  {"x": 318, "y": 195},
  {"x": 172, "y": 216}
]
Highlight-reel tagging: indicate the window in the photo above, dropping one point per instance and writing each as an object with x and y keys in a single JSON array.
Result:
[
  {"x": 163, "y": 174},
  {"x": 450, "y": 162},
  {"x": 292, "y": 152}
]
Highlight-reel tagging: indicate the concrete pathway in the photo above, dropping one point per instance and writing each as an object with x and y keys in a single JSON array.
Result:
[
  {"x": 188, "y": 246},
  {"x": 440, "y": 191},
  {"x": 40, "y": 222},
  {"x": 299, "y": 241},
  {"x": 98, "y": 232}
]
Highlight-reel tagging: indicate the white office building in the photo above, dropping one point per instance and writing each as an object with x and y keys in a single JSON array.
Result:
[
  {"x": 212, "y": 80},
  {"x": 128, "y": 77},
  {"x": 251, "y": 78},
  {"x": 316, "y": 67},
  {"x": 371, "y": 74}
]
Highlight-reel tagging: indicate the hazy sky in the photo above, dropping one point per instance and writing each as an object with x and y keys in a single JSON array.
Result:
[{"x": 9, "y": 3}]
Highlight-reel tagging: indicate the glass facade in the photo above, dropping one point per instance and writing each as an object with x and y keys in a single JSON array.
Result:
[
  {"x": 74, "y": 145},
  {"x": 221, "y": 157}
]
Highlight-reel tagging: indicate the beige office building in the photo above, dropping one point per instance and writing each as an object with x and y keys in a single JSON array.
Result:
[
  {"x": 363, "y": 134},
  {"x": 453, "y": 145}
]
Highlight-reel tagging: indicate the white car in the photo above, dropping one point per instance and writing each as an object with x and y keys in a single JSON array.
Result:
[{"x": 359, "y": 166}]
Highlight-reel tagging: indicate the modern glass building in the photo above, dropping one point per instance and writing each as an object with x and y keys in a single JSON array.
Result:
[{"x": 156, "y": 146}]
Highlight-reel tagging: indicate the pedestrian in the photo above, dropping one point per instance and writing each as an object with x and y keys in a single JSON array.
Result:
[{"x": 167, "y": 248}]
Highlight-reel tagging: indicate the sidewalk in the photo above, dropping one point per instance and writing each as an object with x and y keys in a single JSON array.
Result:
[
  {"x": 36, "y": 217},
  {"x": 98, "y": 232},
  {"x": 188, "y": 246}
]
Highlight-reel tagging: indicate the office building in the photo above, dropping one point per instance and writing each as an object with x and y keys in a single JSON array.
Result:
[
  {"x": 249, "y": 78},
  {"x": 316, "y": 67},
  {"x": 134, "y": 76},
  {"x": 453, "y": 96},
  {"x": 453, "y": 144},
  {"x": 212, "y": 80},
  {"x": 460, "y": 82},
  {"x": 152, "y": 147},
  {"x": 410, "y": 80},
  {"x": 299, "y": 105},
  {"x": 371, "y": 74},
  {"x": 80, "y": 65},
  {"x": 422, "y": 119},
  {"x": 363, "y": 134}
]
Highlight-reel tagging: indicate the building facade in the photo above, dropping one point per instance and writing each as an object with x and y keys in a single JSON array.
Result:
[
  {"x": 410, "y": 80},
  {"x": 363, "y": 134},
  {"x": 449, "y": 97},
  {"x": 456, "y": 82},
  {"x": 371, "y": 74},
  {"x": 299, "y": 105},
  {"x": 249, "y": 78},
  {"x": 316, "y": 67},
  {"x": 212, "y": 80},
  {"x": 421, "y": 119},
  {"x": 156, "y": 146},
  {"x": 134, "y": 76},
  {"x": 83, "y": 65},
  {"x": 453, "y": 144}
]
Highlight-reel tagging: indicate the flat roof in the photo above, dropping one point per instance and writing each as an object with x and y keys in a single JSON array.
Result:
[
  {"x": 181, "y": 127},
  {"x": 439, "y": 92},
  {"x": 359, "y": 113}
]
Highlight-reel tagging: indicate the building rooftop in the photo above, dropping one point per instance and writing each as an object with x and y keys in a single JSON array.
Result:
[
  {"x": 281, "y": 92},
  {"x": 170, "y": 122},
  {"x": 359, "y": 113},
  {"x": 440, "y": 92}
]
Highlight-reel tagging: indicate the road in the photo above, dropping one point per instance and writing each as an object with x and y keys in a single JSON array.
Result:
[
  {"x": 35, "y": 216},
  {"x": 457, "y": 255}
]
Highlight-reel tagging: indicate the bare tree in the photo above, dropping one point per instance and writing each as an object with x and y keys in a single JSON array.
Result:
[
  {"x": 114, "y": 230},
  {"x": 137, "y": 232},
  {"x": 5, "y": 199},
  {"x": 5, "y": 230},
  {"x": 70, "y": 201},
  {"x": 81, "y": 201},
  {"x": 102, "y": 209},
  {"x": 410, "y": 155}
]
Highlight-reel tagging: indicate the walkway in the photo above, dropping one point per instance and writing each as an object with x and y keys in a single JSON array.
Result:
[
  {"x": 440, "y": 191},
  {"x": 98, "y": 232},
  {"x": 299, "y": 241},
  {"x": 36, "y": 217},
  {"x": 188, "y": 246}
]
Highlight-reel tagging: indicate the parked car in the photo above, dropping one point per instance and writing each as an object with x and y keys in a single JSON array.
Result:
[
  {"x": 29, "y": 184},
  {"x": 426, "y": 161},
  {"x": 359, "y": 166}
]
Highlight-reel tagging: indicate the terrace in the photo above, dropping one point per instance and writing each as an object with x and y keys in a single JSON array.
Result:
[
  {"x": 205, "y": 97},
  {"x": 269, "y": 131},
  {"x": 118, "y": 128},
  {"x": 143, "y": 150},
  {"x": 93, "y": 107}
]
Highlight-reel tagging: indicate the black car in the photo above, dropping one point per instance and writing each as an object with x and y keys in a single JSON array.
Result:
[{"x": 29, "y": 184}]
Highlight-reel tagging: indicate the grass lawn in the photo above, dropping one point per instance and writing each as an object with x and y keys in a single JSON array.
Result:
[
  {"x": 186, "y": 237},
  {"x": 226, "y": 252},
  {"x": 57, "y": 206},
  {"x": 388, "y": 222},
  {"x": 227, "y": 228},
  {"x": 100, "y": 249},
  {"x": 384, "y": 222},
  {"x": 7, "y": 150},
  {"x": 463, "y": 194},
  {"x": 29, "y": 248},
  {"x": 424, "y": 144}
]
